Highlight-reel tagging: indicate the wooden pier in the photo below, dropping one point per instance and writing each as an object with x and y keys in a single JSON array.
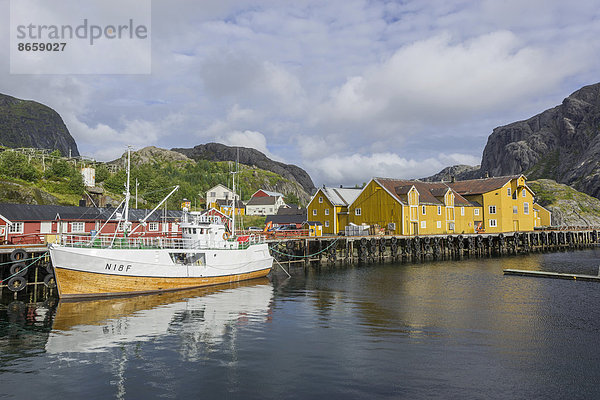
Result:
[
  {"x": 29, "y": 267},
  {"x": 371, "y": 249},
  {"x": 554, "y": 275}
]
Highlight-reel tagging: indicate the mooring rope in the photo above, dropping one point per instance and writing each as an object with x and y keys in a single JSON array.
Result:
[
  {"x": 35, "y": 259},
  {"x": 309, "y": 255}
]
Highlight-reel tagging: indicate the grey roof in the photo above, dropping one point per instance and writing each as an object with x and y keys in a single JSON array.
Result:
[
  {"x": 262, "y": 201},
  {"x": 36, "y": 212},
  {"x": 296, "y": 218},
  {"x": 341, "y": 196}
]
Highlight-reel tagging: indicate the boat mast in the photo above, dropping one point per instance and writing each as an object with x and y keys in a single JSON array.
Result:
[{"x": 127, "y": 194}]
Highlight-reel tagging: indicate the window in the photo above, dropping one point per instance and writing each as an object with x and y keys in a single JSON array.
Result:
[
  {"x": 45, "y": 227},
  {"x": 423, "y": 224},
  {"x": 476, "y": 211},
  {"x": 526, "y": 208},
  {"x": 77, "y": 227},
  {"x": 515, "y": 209},
  {"x": 493, "y": 223},
  {"x": 508, "y": 192},
  {"x": 524, "y": 192},
  {"x": 314, "y": 212},
  {"x": 462, "y": 211},
  {"x": 213, "y": 194},
  {"x": 320, "y": 199},
  {"x": 326, "y": 224},
  {"x": 423, "y": 210},
  {"x": 492, "y": 209},
  {"x": 153, "y": 226},
  {"x": 357, "y": 211},
  {"x": 439, "y": 210},
  {"x": 16, "y": 227},
  {"x": 439, "y": 224},
  {"x": 327, "y": 211}
]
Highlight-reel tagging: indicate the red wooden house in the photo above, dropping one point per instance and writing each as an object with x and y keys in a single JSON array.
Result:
[{"x": 38, "y": 224}]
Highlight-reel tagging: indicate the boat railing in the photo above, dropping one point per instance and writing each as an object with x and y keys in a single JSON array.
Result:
[{"x": 239, "y": 242}]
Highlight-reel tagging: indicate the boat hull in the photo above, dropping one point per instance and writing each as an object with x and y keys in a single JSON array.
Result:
[
  {"x": 85, "y": 272},
  {"x": 80, "y": 284}
]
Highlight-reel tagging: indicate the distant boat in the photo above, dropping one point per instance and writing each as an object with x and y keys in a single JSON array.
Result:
[{"x": 206, "y": 254}]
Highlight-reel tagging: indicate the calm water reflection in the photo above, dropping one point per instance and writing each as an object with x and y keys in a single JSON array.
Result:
[{"x": 436, "y": 330}]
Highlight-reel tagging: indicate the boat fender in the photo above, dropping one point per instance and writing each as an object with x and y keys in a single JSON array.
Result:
[
  {"x": 17, "y": 283},
  {"x": 18, "y": 255},
  {"x": 225, "y": 236},
  {"x": 18, "y": 269}
]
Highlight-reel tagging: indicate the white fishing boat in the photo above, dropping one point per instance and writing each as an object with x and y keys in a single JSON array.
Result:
[{"x": 206, "y": 254}]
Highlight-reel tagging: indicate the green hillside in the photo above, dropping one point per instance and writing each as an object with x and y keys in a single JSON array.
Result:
[{"x": 56, "y": 180}]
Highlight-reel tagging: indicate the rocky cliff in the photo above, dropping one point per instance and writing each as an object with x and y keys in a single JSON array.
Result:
[
  {"x": 25, "y": 123},
  {"x": 562, "y": 144},
  {"x": 251, "y": 157}
]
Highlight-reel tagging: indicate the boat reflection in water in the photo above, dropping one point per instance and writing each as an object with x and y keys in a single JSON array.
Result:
[{"x": 199, "y": 316}]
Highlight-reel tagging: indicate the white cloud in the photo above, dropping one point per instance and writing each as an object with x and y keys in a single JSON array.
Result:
[
  {"x": 345, "y": 89},
  {"x": 357, "y": 168},
  {"x": 255, "y": 140}
]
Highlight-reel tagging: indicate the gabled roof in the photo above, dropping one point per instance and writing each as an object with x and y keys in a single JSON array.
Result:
[
  {"x": 340, "y": 196},
  {"x": 262, "y": 201},
  {"x": 219, "y": 185},
  {"x": 429, "y": 192},
  {"x": 480, "y": 186},
  {"x": 268, "y": 193}
]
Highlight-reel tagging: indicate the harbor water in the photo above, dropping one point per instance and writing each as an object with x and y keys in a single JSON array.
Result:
[{"x": 446, "y": 329}]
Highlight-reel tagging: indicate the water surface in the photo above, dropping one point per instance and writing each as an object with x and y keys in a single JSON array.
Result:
[{"x": 417, "y": 331}]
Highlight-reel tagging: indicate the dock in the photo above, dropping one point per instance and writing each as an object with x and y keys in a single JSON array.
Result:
[
  {"x": 29, "y": 266},
  {"x": 382, "y": 248},
  {"x": 554, "y": 275}
]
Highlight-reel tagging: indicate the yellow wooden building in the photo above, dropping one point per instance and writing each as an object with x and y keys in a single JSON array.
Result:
[
  {"x": 404, "y": 207},
  {"x": 329, "y": 206},
  {"x": 543, "y": 216},
  {"x": 506, "y": 201}
]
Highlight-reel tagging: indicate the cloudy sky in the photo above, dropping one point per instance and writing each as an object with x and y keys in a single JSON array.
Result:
[{"x": 346, "y": 89}]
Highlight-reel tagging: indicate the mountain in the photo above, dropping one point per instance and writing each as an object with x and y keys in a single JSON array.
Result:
[
  {"x": 561, "y": 144},
  {"x": 25, "y": 123},
  {"x": 251, "y": 157}
]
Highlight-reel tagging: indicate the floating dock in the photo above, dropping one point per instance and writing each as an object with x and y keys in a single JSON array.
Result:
[{"x": 554, "y": 275}]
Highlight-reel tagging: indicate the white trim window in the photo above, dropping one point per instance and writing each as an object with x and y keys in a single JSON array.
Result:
[
  {"x": 320, "y": 200},
  {"x": 153, "y": 226},
  {"x": 357, "y": 211},
  {"x": 326, "y": 224},
  {"x": 493, "y": 223},
  {"x": 508, "y": 192},
  {"x": 423, "y": 210},
  {"x": 315, "y": 212},
  {"x": 462, "y": 211},
  {"x": 526, "y": 208},
  {"x": 515, "y": 209},
  {"x": 524, "y": 192},
  {"x": 439, "y": 224},
  {"x": 423, "y": 224},
  {"x": 16, "y": 227},
  {"x": 78, "y": 227},
  {"x": 327, "y": 211},
  {"x": 492, "y": 209},
  {"x": 439, "y": 210},
  {"x": 476, "y": 212}
]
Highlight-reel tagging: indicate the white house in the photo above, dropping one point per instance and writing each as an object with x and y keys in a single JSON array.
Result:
[
  {"x": 264, "y": 205},
  {"x": 218, "y": 192}
]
